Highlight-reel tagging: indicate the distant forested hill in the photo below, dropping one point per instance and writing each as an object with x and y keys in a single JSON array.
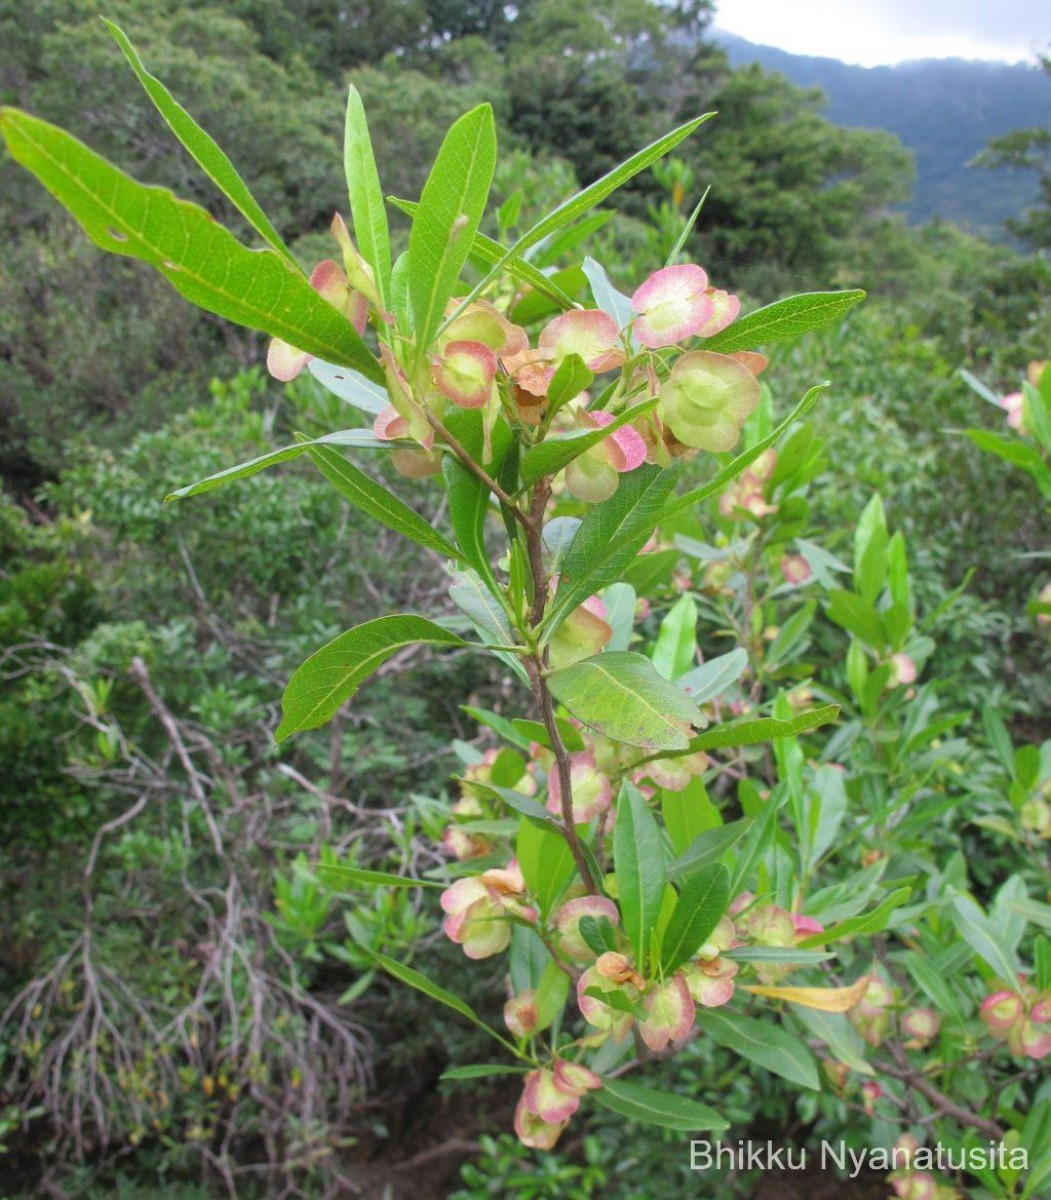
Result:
[{"x": 944, "y": 110}]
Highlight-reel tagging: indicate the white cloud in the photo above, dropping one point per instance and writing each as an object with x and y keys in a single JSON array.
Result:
[{"x": 871, "y": 32}]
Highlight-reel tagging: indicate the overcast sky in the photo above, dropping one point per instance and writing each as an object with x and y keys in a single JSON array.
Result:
[{"x": 871, "y": 32}]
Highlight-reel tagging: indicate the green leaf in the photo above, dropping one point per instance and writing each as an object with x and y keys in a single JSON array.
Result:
[
  {"x": 551, "y": 455},
  {"x": 545, "y": 860},
  {"x": 480, "y": 1071},
  {"x": 362, "y": 877},
  {"x": 490, "y": 251},
  {"x": 619, "y": 599},
  {"x": 469, "y": 497},
  {"x": 521, "y": 803},
  {"x": 499, "y": 725},
  {"x": 615, "y": 304},
  {"x": 687, "y": 229},
  {"x": 551, "y": 994},
  {"x": 609, "y": 538},
  {"x": 765, "y": 729},
  {"x": 701, "y": 903},
  {"x": 361, "y": 438},
  {"x": 708, "y": 847},
  {"x": 535, "y": 731},
  {"x": 563, "y": 243},
  {"x": 767, "y": 1045},
  {"x": 982, "y": 936},
  {"x": 621, "y": 695},
  {"x": 571, "y": 377},
  {"x": 576, "y": 206},
  {"x": 658, "y": 1108},
  {"x": 744, "y": 460},
  {"x": 598, "y": 933},
  {"x": 474, "y": 599},
  {"x": 205, "y": 151},
  {"x": 871, "y": 543},
  {"x": 999, "y": 738},
  {"x": 367, "y": 210},
  {"x": 783, "y": 320},
  {"x": 759, "y": 836},
  {"x": 350, "y": 386},
  {"x": 857, "y": 616},
  {"x": 1017, "y": 453},
  {"x": 676, "y": 646},
  {"x": 451, "y": 206},
  {"x": 374, "y": 500},
  {"x": 838, "y": 1035},
  {"x": 203, "y": 261},
  {"x": 412, "y": 977},
  {"x": 777, "y": 954},
  {"x": 791, "y": 636},
  {"x": 934, "y": 985},
  {"x": 639, "y": 869},
  {"x": 715, "y": 676},
  {"x": 864, "y": 924},
  {"x": 688, "y": 813},
  {"x": 468, "y": 507},
  {"x": 334, "y": 673}
]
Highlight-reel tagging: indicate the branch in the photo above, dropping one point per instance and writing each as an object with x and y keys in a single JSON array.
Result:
[
  {"x": 919, "y": 1082},
  {"x": 477, "y": 469},
  {"x": 536, "y": 665}
]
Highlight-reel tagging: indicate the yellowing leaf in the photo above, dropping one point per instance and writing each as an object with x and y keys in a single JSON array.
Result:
[{"x": 834, "y": 999}]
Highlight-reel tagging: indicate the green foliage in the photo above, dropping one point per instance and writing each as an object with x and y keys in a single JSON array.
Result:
[{"x": 778, "y": 909}]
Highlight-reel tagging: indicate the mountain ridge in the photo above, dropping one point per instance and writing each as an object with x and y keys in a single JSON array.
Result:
[{"x": 943, "y": 110}]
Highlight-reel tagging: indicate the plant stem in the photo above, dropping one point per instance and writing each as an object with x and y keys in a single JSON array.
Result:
[
  {"x": 945, "y": 1106},
  {"x": 476, "y": 469},
  {"x": 536, "y": 665}
]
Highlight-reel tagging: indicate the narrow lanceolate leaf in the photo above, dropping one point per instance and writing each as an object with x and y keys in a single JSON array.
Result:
[
  {"x": 557, "y": 452},
  {"x": 620, "y": 694},
  {"x": 414, "y": 979},
  {"x": 609, "y": 539},
  {"x": 374, "y": 499},
  {"x": 864, "y": 924},
  {"x": 349, "y": 386},
  {"x": 767, "y": 1045},
  {"x": 545, "y": 860},
  {"x": 203, "y": 261},
  {"x": 336, "y": 873},
  {"x": 838, "y": 1035},
  {"x": 701, "y": 903},
  {"x": 451, "y": 206},
  {"x": 984, "y": 938},
  {"x": 640, "y": 869},
  {"x": 825, "y": 999},
  {"x": 487, "y": 250},
  {"x": 481, "y": 1071},
  {"x": 784, "y": 320},
  {"x": 361, "y": 439},
  {"x": 666, "y": 1109},
  {"x": 752, "y": 733},
  {"x": 766, "y": 729},
  {"x": 576, "y": 206},
  {"x": 468, "y": 505},
  {"x": 367, "y": 211},
  {"x": 715, "y": 676},
  {"x": 570, "y": 378},
  {"x": 615, "y": 303},
  {"x": 204, "y": 149},
  {"x": 708, "y": 847},
  {"x": 730, "y": 472},
  {"x": 676, "y": 645},
  {"x": 334, "y": 673}
]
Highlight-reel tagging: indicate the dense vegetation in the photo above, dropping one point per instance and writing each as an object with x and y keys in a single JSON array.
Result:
[{"x": 183, "y": 997}]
